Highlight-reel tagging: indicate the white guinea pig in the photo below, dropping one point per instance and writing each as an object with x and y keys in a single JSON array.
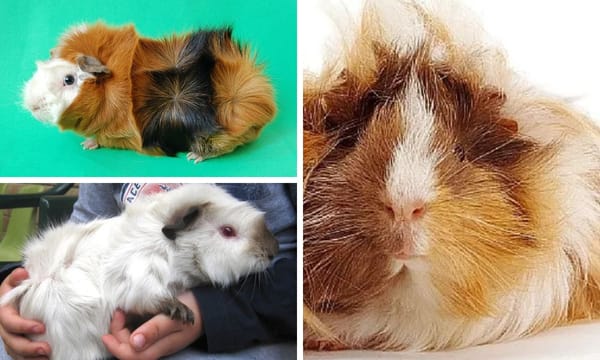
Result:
[{"x": 138, "y": 262}]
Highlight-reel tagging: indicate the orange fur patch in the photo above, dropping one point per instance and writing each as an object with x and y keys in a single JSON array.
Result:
[{"x": 103, "y": 109}]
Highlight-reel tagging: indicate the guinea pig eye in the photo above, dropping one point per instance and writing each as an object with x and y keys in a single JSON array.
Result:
[
  {"x": 69, "y": 80},
  {"x": 227, "y": 231},
  {"x": 459, "y": 151}
]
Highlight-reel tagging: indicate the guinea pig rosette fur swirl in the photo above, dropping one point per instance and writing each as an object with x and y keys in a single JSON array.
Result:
[
  {"x": 447, "y": 203},
  {"x": 201, "y": 93}
]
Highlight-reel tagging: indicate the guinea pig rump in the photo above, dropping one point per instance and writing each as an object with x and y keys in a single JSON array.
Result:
[{"x": 59, "y": 303}]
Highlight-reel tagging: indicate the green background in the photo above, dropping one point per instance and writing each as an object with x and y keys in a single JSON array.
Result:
[{"x": 31, "y": 28}]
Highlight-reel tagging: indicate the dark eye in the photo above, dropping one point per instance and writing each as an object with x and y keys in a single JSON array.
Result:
[
  {"x": 459, "y": 151},
  {"x": 227, "y": 231},
  {"x": 69, "y": 80}
]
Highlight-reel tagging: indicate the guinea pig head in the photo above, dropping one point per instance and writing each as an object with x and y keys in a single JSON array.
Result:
[
  {"x": 416, "y": 177},
  {"x": 86, "y": 85},
  {"x": 56, "y": 83},
  {"x": 216, "y": 238}
]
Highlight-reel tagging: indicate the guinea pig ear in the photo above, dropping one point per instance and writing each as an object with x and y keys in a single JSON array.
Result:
[
  {"x": 182, "y": 221},
  {"x": 92, "y": 65}
]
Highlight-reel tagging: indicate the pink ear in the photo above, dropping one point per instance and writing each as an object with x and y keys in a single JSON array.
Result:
[{"x": 93, "y": 66}]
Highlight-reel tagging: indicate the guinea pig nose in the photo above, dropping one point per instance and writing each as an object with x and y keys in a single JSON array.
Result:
[
  {"x": 414, "y": 210},
  {"x": 408, "y": 211}
]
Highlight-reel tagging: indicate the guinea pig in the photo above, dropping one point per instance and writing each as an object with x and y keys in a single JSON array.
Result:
[
  {"x": 139, "y": 261},
  {"x": 447, "y": 202},
  {"x": 201, "y": 93}
]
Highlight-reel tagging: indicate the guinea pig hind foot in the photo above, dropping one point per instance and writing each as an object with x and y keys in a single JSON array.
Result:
[
  {"x": 196, "y": 158},
  {"x": 90, "y": 144}
]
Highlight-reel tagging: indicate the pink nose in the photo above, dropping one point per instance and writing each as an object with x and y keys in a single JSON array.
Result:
[{"x": 408, "y": 211}]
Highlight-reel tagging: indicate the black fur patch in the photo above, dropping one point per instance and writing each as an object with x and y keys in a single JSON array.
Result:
[{"x": 179, "y": 103}]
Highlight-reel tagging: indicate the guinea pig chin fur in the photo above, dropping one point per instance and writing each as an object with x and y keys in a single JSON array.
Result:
[{"x": 446, "y": 203}]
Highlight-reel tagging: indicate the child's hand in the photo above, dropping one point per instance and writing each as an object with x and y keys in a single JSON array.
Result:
[
  {"x": 13, "y": 327},
  {"x": 157, "y": 337}
]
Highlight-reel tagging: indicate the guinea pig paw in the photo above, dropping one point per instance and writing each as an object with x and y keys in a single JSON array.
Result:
[
  {"x": 90, "y": 144},
  {"x": 196, "y": 158},
  {"x": 323, "y": 345},
  {"x": 177, "y": 310}
]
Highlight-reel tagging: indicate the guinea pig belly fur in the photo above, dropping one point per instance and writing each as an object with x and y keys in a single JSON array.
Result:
[
  {"x": 201, "y": 92},
  {"x": 139, "y": 262},
  {"x": 447, "y": 203}
]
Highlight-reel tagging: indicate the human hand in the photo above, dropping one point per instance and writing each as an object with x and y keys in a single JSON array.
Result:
[
  {"x": 13, "y": 327},
  {"x": 157, "y": 337}
]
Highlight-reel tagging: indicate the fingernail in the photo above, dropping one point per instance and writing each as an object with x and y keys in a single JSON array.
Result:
[
  {"x": 37, "y": 329},
  {"x": 40, "y": 351},
  {"x": 139, "y": 341}
]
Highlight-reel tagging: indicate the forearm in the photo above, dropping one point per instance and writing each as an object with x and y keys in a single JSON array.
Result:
[
  {"x": 95, "y": 201},
  {"x": 260, "y": 309},
  {"x": 6, "y": 269}
]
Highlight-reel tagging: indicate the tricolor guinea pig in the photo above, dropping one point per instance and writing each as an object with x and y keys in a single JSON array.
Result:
[
  {"x": 139, "y": 261},
  {"x": 447, "y": 203},
  {"x": 201, "y": 93}
]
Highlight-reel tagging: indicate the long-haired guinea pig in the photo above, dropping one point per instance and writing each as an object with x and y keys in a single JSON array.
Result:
[
  {"x": 138, "y": 262},
  {"x": 201, "y": 93},
  {"x": 447, "y": 203}
]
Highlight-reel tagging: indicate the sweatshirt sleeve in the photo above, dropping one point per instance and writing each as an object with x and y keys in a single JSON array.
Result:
[
  {"x": 96, "y": 200},
  {"x": 262, "y": 307}
]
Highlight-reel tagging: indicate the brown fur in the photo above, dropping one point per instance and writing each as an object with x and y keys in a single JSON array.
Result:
[
  {"x": 152, "y": 55},
  {"x": 494, "y": 215},
  {"x": 105, "y": 111},
  {"x": 244, "y": 98}
]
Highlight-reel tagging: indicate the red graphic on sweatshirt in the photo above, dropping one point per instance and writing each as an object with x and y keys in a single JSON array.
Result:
[{"x": 135, "y": 190}]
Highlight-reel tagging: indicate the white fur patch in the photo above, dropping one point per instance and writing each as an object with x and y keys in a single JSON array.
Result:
[
  {"x": 45, "y": 95},
  {"x": 75, "y": 30},
  {"x": 411, "y": 174}
]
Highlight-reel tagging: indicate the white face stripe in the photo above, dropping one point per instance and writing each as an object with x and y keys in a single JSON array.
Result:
[{"x": 410, "y": 175}]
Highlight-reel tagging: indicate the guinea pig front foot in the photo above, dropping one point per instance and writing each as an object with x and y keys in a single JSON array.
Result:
[
  {"x": 196, "y": 158},
  {"x": 177, "y": 310},
  {"x": 90, "y": 144}
]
